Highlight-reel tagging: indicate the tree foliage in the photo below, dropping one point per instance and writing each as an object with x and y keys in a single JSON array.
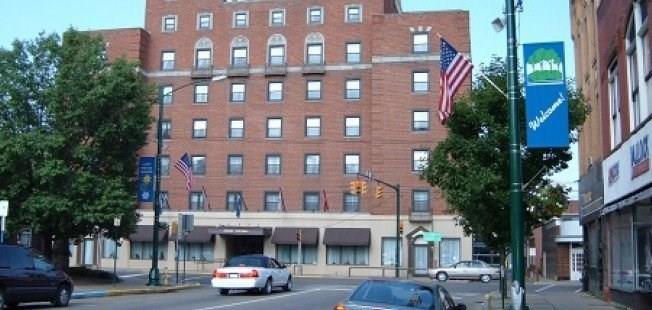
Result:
[
  {"x": 471, "y": 166},
  {"x": 70, "y": 126}
]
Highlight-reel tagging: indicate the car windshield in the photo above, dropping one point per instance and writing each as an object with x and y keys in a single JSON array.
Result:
[
  {"x": 246, "y": 261},
  {"x": 395, "y": 293}
]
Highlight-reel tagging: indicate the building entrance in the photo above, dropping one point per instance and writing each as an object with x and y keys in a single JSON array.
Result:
[{"x": 243, "y": 245}]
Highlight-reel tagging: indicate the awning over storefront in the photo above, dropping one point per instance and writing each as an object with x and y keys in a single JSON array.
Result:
[
  {"x": 347, "y": 236},
  {"x": 145, "y": 233},
  {"x": 288, "y": 235},
  {"x": 199, "y": 234},
  {"x": 241, "y": 231}
]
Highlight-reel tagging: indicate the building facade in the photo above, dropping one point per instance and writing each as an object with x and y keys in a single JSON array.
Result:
[{"x": 314, "y": 93}]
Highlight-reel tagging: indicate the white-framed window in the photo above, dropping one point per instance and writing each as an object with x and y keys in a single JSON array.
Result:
[
  {"x": 273, "y": 164},
  {"x": 203, "y": 58},
  {"x": 352, "y": 90},
  {"x": 313, "y": 127},
  {"x": 420, "y": 201},
  {"x": 315, "y": 15},
  {"x": 351, "y": 202},
  {"x": 232, "y": 200},
  {"x": 167, "y": 60},
  {"x": 196, "y": 201},
  {"x": 199, "y": 128},
  {"x": 238, "y": 92},
  {"x": 419, "y": 159},
  {"x": 241, "y": 19},
  {"x": 166, "y": 129},
  {"x": 236, "y": 128},
  {"x": 351, "y": 163},
  {"x": 353, "y": 53},
  {"x": 204, "y": 21},
  {"x": 420, "y": 82},
  {"x": 109, "y": 248},
  {"x": 235, "y": 164},
  {"x": 197, "y": 251},
  {"x": 315, "y": 54},
  {"x": 311, "y": 201},
  {"x": 420, "y": 42},
  {"x": 275, "y": 91},
  {"x": 239, "y": 56},
  {"x": 274, "y": 127},
  {"x": 169, "y": 23},
  {"x": 388, "y": 251},
  {"x": 420, "y": 120},
  {"x": 289, "y": 254},
  {"x": 614, "y": 104},
  {"x": 201, "y": 94},
  {"x": 353, "y": 13},
  {"x": 312, "y": 164},
  {"x": 272, "y": 201},
  {"x": 347, "y": 255},
  {"x": 198, "y": 163},
  {"x": 277, "y": 55},
  {"x": 313, "y": 90},
  {"x": 166, "y": 94},
  {"x": 352, "y": 126},
  {"x": 638, "y": 66},
  {"x": 277, "y": 17},
  {"x": 449, "y": 251}
]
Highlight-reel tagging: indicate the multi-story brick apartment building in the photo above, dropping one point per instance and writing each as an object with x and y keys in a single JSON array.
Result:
[
  {"x": 618, "y": 218},
  {"x": 315, "y": 92}
]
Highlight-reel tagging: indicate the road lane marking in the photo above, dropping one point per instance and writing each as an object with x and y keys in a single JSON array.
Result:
[
  {"x": 273, "y": 297},
  {"x": 544, "y": 288},
  {"x": 135, "y": 275},
  {"x": 578, "y": 290}
]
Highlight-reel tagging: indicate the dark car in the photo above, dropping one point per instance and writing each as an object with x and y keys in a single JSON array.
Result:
[
  {"x": 26, "y": 276},
  {"x": 399, "y": 295}
]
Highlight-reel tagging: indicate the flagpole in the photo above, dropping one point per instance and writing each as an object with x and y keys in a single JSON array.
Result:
[{"x": 492, "y": 83}]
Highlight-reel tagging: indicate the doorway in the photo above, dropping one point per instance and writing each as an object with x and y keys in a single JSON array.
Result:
[
  {"x": 577, "y": 257},
  {"x": 243, "y": 245},
  {"x": 89, "y": 251},
  {"x": 420, "y": 260}
]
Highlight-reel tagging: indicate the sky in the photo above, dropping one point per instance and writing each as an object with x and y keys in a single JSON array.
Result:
[{"x": 542, "y": 21}]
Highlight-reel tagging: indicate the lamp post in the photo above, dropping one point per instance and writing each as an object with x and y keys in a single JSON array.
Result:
[
  {"x": 154, "y": 275},
  {"x": 116, "y": 224}
]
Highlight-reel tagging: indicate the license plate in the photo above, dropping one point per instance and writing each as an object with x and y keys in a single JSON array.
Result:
[{"x": 234, "y": 275}]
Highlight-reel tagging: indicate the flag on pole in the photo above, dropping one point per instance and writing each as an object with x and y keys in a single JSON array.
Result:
[
  {"x": 282, "y": 199},
  {"x": 238, "y": 205},
  {"x": 203, "y": 192},
  {"x": 454, "y": 69},
  {"x": 325, "y": 201},
  {"x": 185, "y": 167}
]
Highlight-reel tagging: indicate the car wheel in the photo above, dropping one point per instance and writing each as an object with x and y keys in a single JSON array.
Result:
[
  {"x": 485, "y": 278},
  {"x": 442, "y": 277},
  {"x": 288, "y": 286},
  {"x": 63, "y": 296},
  {"x": 224, "y": 292},
  {"x": 267, "y": 289}
]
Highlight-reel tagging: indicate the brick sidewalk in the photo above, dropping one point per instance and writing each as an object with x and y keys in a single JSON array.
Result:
[{"x": 554, "y": 300}]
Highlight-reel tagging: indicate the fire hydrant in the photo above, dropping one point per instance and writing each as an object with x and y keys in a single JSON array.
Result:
[{"x": 166, "y": 277}]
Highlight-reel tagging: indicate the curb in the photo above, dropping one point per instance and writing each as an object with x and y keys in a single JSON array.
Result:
[{"x": 136, "y": 291}]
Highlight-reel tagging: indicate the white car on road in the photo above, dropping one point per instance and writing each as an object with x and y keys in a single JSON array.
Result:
[
  {"x": 251, "y": 272},
  {"x": 468, "y": 270}
]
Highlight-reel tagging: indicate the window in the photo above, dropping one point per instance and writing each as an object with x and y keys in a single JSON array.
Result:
[
  {"x": 235, "y": 166},
  {"x": 277, "y": 55},
  {"x": 449, "y": 251},
  {"x": 165, "y": 93},
  {"x": 232, "y": 200},
  {"x": 420, "y": 120},
  {"x": 236, "y": 128},
  {"x": 288, "y": 254},
  {"x": 272, "y": 201},
  {"x": 240, "y": 19},
  {"x": 313, "y": 90},
  {"x": 170, "y": 23},
  {"x": 632, "y": 65},
  {"x": 238, "y": 92},
  {"x": 351, "y": 163},
  {"x": 109, "y": 248},
  {"x": 352, "y": 89},
  {"x": 274, "y": 128},
  {"x": 638, "y": 64},
  {"x": 420, "y": 43},
  {"x": 196, "y": 251},
  {"x": 347, "y": 255},
  {"x": 203, "y": 59},
  {"x": 167, "y": 60},
  {"x": 388, "y": 252},
  {"x": 614, "y": 104},
  {"x": 144, "y": 250},
  {"x": 420, "y": 82},
  {"x": 315, "y": 54},
  {"x": 351, "y": 203},
  {"x": 311, "y": 201},
  {"x": 277, "y": 17},
  {"x": 352, "y": 126},
  {"x": 353, "y": 51},
  {"x": 198, "y": 165},
  {"x": 196, "y": 201},
  {"x": 311, "y": 164},
  {"x": 165, "y": 165},
  {"x": 199, "y": 128},
  {"x": 643, "y": 235},
  {"x": 353, "y": 14},
  {"x": 273, "y": 164},
  {"x": 420, "y": 201},
  {"x": 419, "y": 159},
  {"x": 315, "y": 16},
  {"x": 201, "y": 93},
  {"x": 166, "y": 129},
  {"x": 275, "y": 91},
  {"x": 205, "y": 21},
  {"x": 621, "y": 247},
  {"x": 313, "y": 126},
  {"x": 239, "y": 57}
]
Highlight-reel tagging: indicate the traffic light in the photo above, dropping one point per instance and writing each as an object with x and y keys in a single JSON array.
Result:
[
  {"x": 400, "y": 228},
  {"x": 379, "y": 192},
  {"x": 363, "y": 187},
  {"x": 354, "y": 187}
]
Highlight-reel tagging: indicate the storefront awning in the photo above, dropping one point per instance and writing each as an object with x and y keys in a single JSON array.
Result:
[
  {"x": 199, "y": 234},
  {"x": 241, "y": 231},
  {"x": 288, "y": 235},
  {"x": 145, "y": 233},
  {"x": 347, "y": 236}
]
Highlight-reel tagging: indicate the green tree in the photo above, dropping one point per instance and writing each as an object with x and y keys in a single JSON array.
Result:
[
  {"x": 70, "y": 126},
  {"x": 471, "y": 166}
]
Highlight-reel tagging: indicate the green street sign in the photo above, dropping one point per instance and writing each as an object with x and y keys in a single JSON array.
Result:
[{"x": 431, "y": 236}]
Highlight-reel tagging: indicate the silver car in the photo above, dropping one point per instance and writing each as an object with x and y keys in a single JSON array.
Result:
[{"x": 467, "y": 270}]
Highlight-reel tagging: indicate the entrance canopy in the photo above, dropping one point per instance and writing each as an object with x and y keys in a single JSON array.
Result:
[
  {"x": 145, "y": 233},
  {"x": 241, "y": 231},
  {"x": 288, "y": 236},
  {"x": 347, "y": 236},
  {"x": 199, "y": 234}
]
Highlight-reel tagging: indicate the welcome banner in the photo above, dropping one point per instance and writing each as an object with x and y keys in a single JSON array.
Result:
[{"x": 546, "y": 96}]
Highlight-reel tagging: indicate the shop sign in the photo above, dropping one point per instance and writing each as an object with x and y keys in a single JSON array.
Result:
[
  {"x": 614, "y": 173},
  {"x": 640, "y": 157}
]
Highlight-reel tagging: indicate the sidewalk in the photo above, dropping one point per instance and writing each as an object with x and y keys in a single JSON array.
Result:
[
  {"x": 88, "y": 288},
  {"x": 560, "y": 298}
]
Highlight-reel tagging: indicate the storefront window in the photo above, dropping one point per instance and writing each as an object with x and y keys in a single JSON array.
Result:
[
  {"x": 449, "y": 252},
  {"x": 143, "y": 250},
  {"x": 643, "y": 230},
  {"x": 347, "y": 255},
  {"x": 288, "y": 254},
  {"x": 196, "y": 251},
  {"x": 388, "y": 256},
  {"x": 622, "y": 260},
  {"x": 109, "y": 249}
]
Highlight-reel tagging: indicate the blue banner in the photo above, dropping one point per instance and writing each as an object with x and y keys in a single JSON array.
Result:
[
  {"x": 146, "y": 170},
  {"x": 546, "y": 96}
]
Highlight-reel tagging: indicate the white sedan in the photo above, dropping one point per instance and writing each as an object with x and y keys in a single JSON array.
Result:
[{"x": 251, "y": 272}]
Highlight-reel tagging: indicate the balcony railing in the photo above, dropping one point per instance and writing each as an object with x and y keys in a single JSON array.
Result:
[
  {"x": 240, "y": 70},
  {"x": 202, "y": 72},
  {"x": 421, "y": 216}
]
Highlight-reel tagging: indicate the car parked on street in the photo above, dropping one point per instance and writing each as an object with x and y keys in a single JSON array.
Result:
[
  {"x": 251, "y": 272},
  {"x": 26, "y": 276},
  {"x": 399, "y": 295},
  {"x": 466, "y": 270}
]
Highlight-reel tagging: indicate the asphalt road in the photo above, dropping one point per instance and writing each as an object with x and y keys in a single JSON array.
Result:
[{"x": 308, "y": 293}]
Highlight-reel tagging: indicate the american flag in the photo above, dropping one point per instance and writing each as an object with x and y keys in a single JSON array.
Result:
[
  {"x": 325, "y": 201},
  {"x": 454, "y": 69},
  {"x": 184, "y": 166}
]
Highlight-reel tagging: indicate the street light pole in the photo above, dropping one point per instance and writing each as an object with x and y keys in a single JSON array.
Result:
[
  {"x": 154, "y": 274},
  {"x": 516, "y": 182}
]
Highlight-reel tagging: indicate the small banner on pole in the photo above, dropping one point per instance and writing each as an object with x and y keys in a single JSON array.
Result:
[
  {"x": 146, "y": 167},
  {"x": 546, "y": 96}
]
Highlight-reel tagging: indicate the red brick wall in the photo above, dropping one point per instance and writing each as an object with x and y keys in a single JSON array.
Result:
[{"x": 129, "y": 43}]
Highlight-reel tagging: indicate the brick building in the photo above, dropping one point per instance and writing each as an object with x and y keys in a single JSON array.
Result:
[{"x": 315, "y": 92}]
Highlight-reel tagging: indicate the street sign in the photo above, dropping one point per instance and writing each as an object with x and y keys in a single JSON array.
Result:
[
  {"x": 4, "y": 208},
  {"x": 146, "y": 169},
  {"x": 432, "y": 236}
]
